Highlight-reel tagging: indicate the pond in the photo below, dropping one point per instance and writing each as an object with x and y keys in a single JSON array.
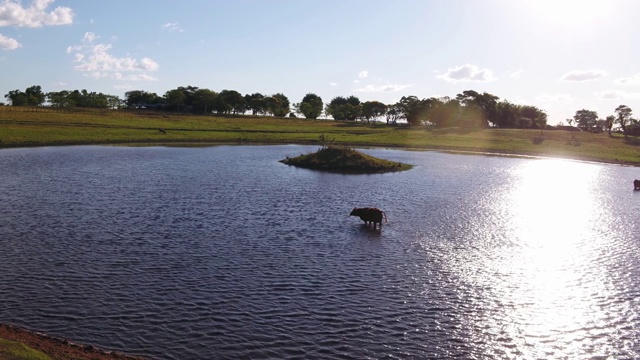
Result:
[{"x": 223, "y": 252}]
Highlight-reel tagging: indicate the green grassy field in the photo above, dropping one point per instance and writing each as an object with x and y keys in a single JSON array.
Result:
[{"x": 22, "y": 127}]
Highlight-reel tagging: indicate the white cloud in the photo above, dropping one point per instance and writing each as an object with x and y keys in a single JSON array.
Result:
[
  {"x": 467, "y": 73},
  {"x": 383, "y": 88},
  {"x": 515, "y": 74},
  {"x": 7, "y": 43},
  {"x": 172, "y": 26},
  {"x": 95, "y": 60},
  {"x": 617, "y": 95},
  {"x": 148, "y": 64},
  {"x": 583, "y": 75},
  {"x": 134, "y": 77},
  {"x": 363, "y": 74},
  {"x": 630, "y": 80},
  {"x": 90, "y": 37},
  {"x": 333, "y": 84},
  {"x": 12, "y": 13}
]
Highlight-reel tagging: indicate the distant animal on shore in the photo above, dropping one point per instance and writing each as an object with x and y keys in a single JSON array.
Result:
[
  {"x": 636, "y": 184},
  {"x": 162, "y": 131},
  {"x": 370, "y": 215}
]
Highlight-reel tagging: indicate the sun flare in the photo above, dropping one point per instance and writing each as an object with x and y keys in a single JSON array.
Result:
[{"x": 570, "y": 12}]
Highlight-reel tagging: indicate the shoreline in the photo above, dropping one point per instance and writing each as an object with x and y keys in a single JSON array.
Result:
[
  {"x": 46, "y": 127},
  {"x": 197, "y": 143},
  {"x": 60, "y": 348}
]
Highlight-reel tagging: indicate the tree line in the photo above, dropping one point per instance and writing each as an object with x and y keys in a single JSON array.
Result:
[
  {"x": 469, "y": 109},
  {"x": 34, "y": 96},
  {"x": 589, "y": 120}
]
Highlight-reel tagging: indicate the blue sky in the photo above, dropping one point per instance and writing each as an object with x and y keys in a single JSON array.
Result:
[{"x": 561, "y": 56}]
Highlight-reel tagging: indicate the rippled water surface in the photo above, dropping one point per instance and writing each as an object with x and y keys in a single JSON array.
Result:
[{"x": 223, "y": 252}]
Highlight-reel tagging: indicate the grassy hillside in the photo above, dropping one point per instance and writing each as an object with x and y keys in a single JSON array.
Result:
[{"x": 26, "y": 127}]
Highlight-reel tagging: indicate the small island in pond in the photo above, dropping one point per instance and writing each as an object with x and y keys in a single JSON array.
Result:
[{"x": 344, "y": 160}]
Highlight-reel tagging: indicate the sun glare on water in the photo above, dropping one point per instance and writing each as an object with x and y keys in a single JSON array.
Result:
[
  {"x": 553, "y": 202},
  {"x": 537, "y": 261},
  {"x": 552, "y": 208}
]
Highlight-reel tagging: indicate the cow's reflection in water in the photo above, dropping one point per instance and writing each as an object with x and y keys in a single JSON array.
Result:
[{"x": 370, "y": 216}]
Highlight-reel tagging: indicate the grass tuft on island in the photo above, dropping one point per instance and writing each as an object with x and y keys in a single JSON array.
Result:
[{"x": 341, "y": 159}]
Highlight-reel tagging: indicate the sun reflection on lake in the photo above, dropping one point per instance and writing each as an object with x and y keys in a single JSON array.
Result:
[
  {"x": 553, "y": 206},
  {"x": 547, "y": 272},
  {"x": 553, "y": 202}
]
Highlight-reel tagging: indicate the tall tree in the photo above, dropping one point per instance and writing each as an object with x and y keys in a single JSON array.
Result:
[
  {"x": 76, "y": 98},
  {"x": 485, "y": 102},
  {"x": 256, "y": 103},
  {"x": 507, "y": 114},
  {"x": 114, "y": 101},
  {"x": 175, "y": 99},
  {"x": 415, "y": 110},
  {"x": 189, "y": 96},
  {"x": 623, "y": 118},
  {"x": 341, "y": 108},
  {"x": 394, "y": 113},
  {"x": 310, "y": 106},
  {"x": 444, "y": 112},
  {"x": 231, "y": 101},
  {"x": 585, "y": 118},
  {"x": 608, "y": 123},
  {"x": 373, "y": 109},
  {"x": 537, "y": 116},
  {"x": 59, "y": 98},
  {"x": 17, "y": 98},
  {"x": 278, "y": 104},
  {"x": 204, "y": 100},
  {"x": 96, "y": 100},
  {"x": 137, "y": 98},
  {"x": 35, "y": 96}
]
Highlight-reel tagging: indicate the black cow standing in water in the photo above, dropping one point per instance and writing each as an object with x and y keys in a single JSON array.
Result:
[
  {"x": 370, "y": 215},
  {"x": 636, "y": 184}
]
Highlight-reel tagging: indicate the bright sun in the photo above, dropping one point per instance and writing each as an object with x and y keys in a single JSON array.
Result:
[{"x": 570, "y": 12}]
